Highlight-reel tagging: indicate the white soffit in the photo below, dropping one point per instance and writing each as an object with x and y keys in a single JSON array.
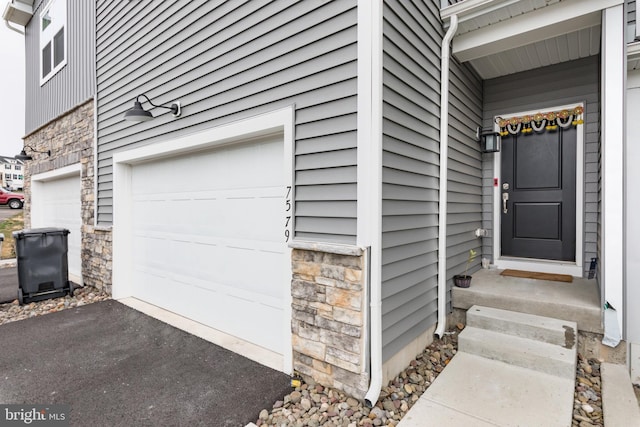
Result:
[
  {"x": 18, "y": 12},
  {"x": 567, "y": 47},
  {"x": 500, "y": 37},
  {"x": 633, "y": 56}
]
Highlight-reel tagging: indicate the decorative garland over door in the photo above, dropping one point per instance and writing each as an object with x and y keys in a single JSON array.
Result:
[{"x": 540, "y": 122}]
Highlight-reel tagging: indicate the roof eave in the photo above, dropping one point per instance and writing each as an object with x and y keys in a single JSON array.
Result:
[{"x": 18, "y": 12}]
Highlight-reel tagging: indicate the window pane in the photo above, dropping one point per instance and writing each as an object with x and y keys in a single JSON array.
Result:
[
  {"x": 58, "y": 48},
  {"x": 7, "y": 176},
  {"x": 46, "y": 20},
  {"x": 46, "y": 60},
  {"x": 18, "y": 167}
]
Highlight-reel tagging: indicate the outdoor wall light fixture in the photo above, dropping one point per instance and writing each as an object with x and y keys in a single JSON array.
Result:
[
  {"x": 489, "y": 140},
  {"x": 24, "y": 156},
  {"x": 139, "y": 114}
]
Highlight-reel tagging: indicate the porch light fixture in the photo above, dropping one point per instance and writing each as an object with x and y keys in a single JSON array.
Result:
[
  {"x": 139, "y": 114},
  {"x": 489, "y": 140},
  {"x": 24, "y": 156}
]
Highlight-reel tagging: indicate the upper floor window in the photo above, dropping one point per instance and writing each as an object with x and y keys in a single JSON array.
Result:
[
  {"x": 18, "y": 167},
  {"x": 53, "y": 43},
  {"x": 7, "y": 166}
]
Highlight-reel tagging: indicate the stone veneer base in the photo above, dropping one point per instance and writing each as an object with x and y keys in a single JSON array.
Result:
[
  {"x": 70, "y": 137},
  {"x": 329, "y": 315}
]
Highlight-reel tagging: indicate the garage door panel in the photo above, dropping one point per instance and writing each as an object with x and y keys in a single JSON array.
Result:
[
  {"x": 233, "y": 167},
  {"x": 209, "y": 244},
  {"x": 235, "y": 217},
  {"x": 57, "y": 204},
  {"x": 231, "y": 314},
  {"x": 239, "y": 268}
]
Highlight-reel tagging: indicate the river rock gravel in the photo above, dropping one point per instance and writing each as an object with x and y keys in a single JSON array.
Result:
[
  {"x": 587, "y": 406},
  {"x": 331, "y": 408},
  {"x": 313, "y": 405},
  {"x": 10, "y": 312}
]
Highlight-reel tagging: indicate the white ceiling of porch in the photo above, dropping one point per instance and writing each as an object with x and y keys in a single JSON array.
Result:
[
  {"x": 567, "y": 47},
  {"x": 559, "y": 31}
]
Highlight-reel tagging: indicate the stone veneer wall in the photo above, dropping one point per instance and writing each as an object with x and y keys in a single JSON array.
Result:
[
  {"x": 70, "y": 137},
  {"x": 328, "y": 318}
]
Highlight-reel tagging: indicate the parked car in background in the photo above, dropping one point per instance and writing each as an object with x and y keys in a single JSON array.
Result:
[{"x": 13, "y": 200}]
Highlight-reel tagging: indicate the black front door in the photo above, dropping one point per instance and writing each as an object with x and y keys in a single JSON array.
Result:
[{"x": 539, "y": 179}]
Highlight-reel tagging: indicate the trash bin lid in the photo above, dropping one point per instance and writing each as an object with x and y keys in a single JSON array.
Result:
[{"x": 39, "y": 232}]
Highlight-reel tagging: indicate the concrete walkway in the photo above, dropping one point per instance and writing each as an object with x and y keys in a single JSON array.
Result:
[{"x": 475, "y": 391}]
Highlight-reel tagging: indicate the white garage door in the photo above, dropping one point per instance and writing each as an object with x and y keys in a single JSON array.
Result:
[
  {"x": 208, "y": 238},
  {"x": 56, "y": 203}
]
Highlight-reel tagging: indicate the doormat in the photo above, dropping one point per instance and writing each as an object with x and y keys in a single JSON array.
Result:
[{"x": 540, "y": 276}]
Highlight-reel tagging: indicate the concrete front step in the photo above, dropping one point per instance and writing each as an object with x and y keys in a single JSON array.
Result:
[
  {"x": 523, "y": 352},
  {"x": 578, "y": 301},
  {"x": 545, "y": 329},
  {"x": 475, "y": 391}
]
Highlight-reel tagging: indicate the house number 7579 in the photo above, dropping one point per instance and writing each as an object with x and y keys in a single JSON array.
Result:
[{"x": 287, "y": 204}]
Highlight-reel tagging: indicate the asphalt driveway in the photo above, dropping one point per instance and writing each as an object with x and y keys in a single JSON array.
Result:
[{"x": 118, "y": 367}]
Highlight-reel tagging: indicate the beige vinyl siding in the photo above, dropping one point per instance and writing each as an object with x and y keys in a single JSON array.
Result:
[{"x": 231, "y": 60}]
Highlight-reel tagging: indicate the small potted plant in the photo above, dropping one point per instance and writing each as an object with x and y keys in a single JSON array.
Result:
[{"x": 464, "y": 281}]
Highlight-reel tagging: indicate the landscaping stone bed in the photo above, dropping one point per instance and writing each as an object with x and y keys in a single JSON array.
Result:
[
  {"x": 314, "y": 405},
  {"x": 12, "y": 311}
]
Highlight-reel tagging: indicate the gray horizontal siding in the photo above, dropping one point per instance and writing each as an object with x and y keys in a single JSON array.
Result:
[
  {"x": 566, "y": 83},
  {"x": 231, "y": 60},
  {"x": 464, "y": 208},
  {"x": 631, "y": 20},
  {"x": 412, "y": 36},
  {"x": 73, "y": 84}
]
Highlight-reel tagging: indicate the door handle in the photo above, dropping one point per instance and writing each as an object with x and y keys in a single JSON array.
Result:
[{"x": 505, "y": 197}]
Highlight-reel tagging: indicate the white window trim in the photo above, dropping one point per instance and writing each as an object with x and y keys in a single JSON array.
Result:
[
  {"x": 541, "y": 265},
  {"x": 56, "y": 69}
]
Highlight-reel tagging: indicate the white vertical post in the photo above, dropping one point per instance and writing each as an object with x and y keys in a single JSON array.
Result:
[
  {"x": 614, "y": 65},
  {"x": 632, "y": 225},
  {"x": 369, "y": 210}
]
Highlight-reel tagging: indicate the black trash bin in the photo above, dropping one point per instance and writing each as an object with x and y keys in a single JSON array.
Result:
[{"x": 42, "y": 264}]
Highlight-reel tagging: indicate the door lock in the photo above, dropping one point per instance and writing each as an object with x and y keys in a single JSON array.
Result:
[{"x": 505, "y": 197}]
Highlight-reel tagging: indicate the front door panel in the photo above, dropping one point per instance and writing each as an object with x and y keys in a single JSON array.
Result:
[{"x": 539, "y": 180}]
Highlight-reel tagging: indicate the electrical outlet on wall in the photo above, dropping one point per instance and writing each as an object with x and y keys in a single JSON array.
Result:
[{"x": 482, "y": 232}]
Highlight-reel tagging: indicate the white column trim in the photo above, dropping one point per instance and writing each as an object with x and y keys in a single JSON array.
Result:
[
  {"x": 369, "y": 187},
  {"x": 614, "y": 66}
]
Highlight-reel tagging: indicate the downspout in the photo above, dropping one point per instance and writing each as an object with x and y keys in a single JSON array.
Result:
[
  {"x": 6, "y": 22},
  {"x": 444, "y": 160}
]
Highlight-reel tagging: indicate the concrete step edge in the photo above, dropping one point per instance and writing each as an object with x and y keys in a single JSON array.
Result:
[
  {"x": 541, "y": 328},
  {"x": 524, "y": 352}
]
